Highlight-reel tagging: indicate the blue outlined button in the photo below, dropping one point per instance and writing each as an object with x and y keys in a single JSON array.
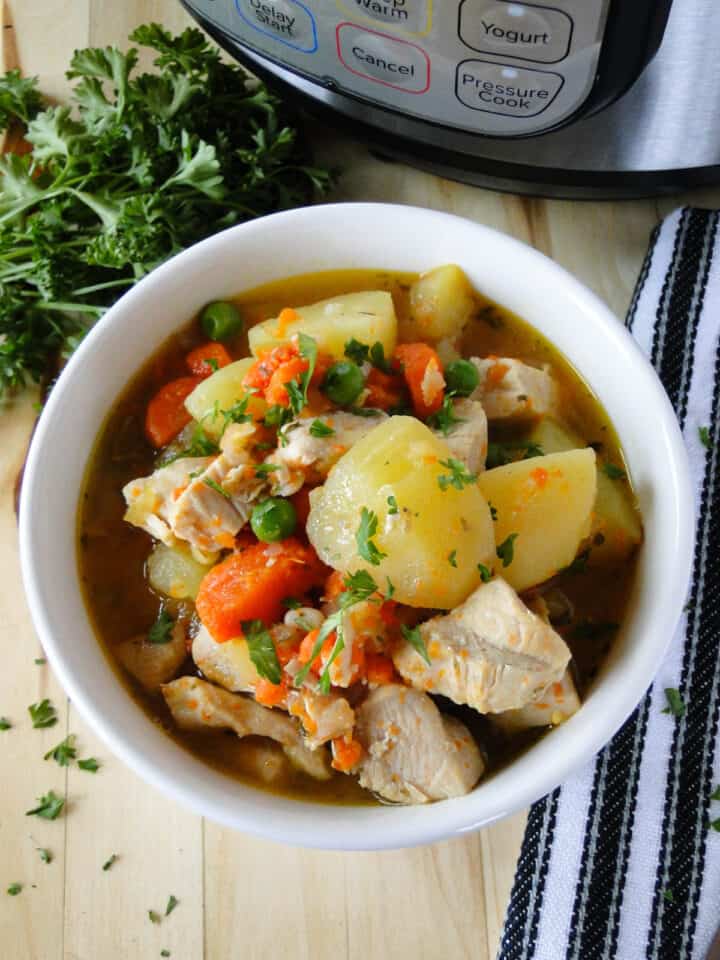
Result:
[{"x": 287, "y": 21}]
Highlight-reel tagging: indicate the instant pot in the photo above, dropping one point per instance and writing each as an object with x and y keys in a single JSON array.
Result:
[{"x": 567, "y": 98}]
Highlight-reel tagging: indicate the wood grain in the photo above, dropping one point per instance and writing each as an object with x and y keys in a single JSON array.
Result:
[{"x": 240, "y": 896}]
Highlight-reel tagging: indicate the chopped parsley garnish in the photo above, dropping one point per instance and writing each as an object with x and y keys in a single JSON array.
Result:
[
  {"x": 365, "y": 532},
  {"x": 264, "y": 469},
  {"x": 45, "y": 855},
  {"x": 615, "y": 473},
  {"x": 291, "y": 603},
  {"x": 392, "y": 506},
  {"x": 43, "y": 714},
  {"x": 320, "y": 429},
  {"x": 458, "y": 477},
  {"x": 201, "y": 445},
  {"x": 590, "y": 630},
  {"x": 154, "y": 917},
  {"x": 358, "y": 587},
  {"x": 579, "y": 564},
  {"x": 213, "y": 364},
  {"x": 160, "y": 632},
  {"x": 64, "y": 753},
  {"x": 445, "y": 420},
  {"x": 365, "y": 411},
  {"x": 14, "y": 889},
  {"x": 675, "y": 704},
  {"x": 391, "y": 593},
  {"x": 277, "y": 416},
  {"x": 715, "y": 825},
  {"x": 40, "y": 661},
  {"x": 214, "y": 485},
  {"x": 716, "y": 795},
  {"x": 171, "y": 904},
  {"x": 5, "y": 724},
  {"x": 669, "y": 896},
  {"x": 486, "y": 573},
  {"x": 262, "y": 650},
  {"x": 237, "y": 413},
  {"x": 377, "y": 357},
  {"x": 49, "y": 806},
  {"x": 506, "y": 550},
  {"x": 110, "y": 861},
  {"x": 415, "y": 639},
  {"x": 91, "y": 765},
  {"x": 452, "y": 558},
  {"x": 358, "y": 352},
  {"x": 510, "y": 451},
  {"x": 493, "y": 511},
  {"x": 704, "y": 435},
  {"x": 165, "y": 953},
  {"x": 297, "y": 391}
]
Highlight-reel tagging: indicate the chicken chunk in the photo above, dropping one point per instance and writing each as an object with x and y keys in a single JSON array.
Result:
[
  {"x": 512, "y": 390},
  {"x": 198, "y": 705},
  {"x": 324, "y": 716},
  {"x": 549, "y": 709},
  {"x": 468, "y": 440},
  {"x": 153, "y": 664},
  {"x": 414, "y": 754},
  {"x": 309, "y": 458},
  {"x": 202, "y": 500},
  {"x": 150, "y": 499},
  {"x": 491, "y": 652}
]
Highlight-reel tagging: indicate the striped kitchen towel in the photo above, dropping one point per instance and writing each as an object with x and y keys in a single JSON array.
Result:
[{"x": 622, "y": 862}]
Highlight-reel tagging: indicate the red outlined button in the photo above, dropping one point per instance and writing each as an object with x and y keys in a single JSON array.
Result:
[{"x": 383, "y": 59}]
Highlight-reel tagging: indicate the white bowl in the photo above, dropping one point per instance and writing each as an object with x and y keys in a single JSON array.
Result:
[{"x": 321, "y": 238}]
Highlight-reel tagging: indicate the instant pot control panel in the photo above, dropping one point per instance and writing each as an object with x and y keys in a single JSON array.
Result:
[{"x": 492, "y": 67}]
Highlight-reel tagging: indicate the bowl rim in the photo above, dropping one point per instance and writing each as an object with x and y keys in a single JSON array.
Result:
[{"x": 381, "y": 828}]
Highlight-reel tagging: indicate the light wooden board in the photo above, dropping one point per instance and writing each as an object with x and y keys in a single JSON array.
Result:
[{"x": 240, "y": 896}]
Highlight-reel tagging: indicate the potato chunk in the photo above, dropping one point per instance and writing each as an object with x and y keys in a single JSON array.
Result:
[
  {"x": 368, "y": 316},
  {"x": 174, "y": 572},
  {"x": 219, "y": 392},
  {"x": 437, "y": 537},
  {"x": 441, "y": 303},
  {"x": 547, "y": 501},
  {"x": 616, "y": 528}
]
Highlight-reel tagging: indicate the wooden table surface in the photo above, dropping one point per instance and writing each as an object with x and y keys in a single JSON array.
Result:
[{"x": 241, "y": 897}]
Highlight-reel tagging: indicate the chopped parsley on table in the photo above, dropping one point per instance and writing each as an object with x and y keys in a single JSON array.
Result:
[
  {"x": 14, "y": 889},
  {"x": 704, "y": 435},
  {"x": 675, "y": 703},
  {"x": 64, "y": 753},
  {"x": 5, "y": 724},
  {"x": 45, "y": 855},
  {"x": 43, "y": 714},
  {"x": 364, "y": 537},
  {"x": 154, "y": 916},
  {"x": 49, "y": 806},
  {"x": 110, "y": 861},
  {"x": 171, "y": 904},
  {"x": 91, "y": 765},
  {"x": 716, "y": 795}
]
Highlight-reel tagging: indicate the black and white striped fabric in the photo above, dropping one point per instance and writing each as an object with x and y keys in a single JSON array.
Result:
[{"x": 621, "y": 862}]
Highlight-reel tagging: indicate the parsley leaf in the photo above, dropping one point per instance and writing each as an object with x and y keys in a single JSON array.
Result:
[
  {"x": 5, "y": 724},
  {"x": 171, "y": 904},
  {"x": 161, "y": 630},
  {"x": 458, "y": 477},
  {"x": 40, "y": 661},
  {"x": 297, "y": 392},
  {"x": 365, "y": 532},
  {"x": 64, "y": 752},
  {"x": 213, "y": 364},
  {"x": 263, "y": 470},
  {"x": 43, "y": 714},
  {"x": 615, "y": 473},
  {"x": 14, "y": 889},
  {"x": 49, "y": 806},
  {"x": 377, "y": 357},
  {"x": 91, "y": 765},
  {"x": 415, "y": 639},
  {"x": 391, "y": 590},
  {"x": 668, "y": 895},
  {"x": 392, "y": 506},
  {"x": 358, "y": 352},
  {"x": 704, "y": 435},
  {"x": 452, "y": 558},
  {"x": 445, "y": 420},
  {"x": 675, "y": 704},
  {"x": 320, "y": 429},
  {"x": 485, "y": 573},
  {"x": 45, "y": 855},
  {"x": 291, "y": 603},
  {"x": 506, "y": 550},
  {"x": 493, "y": 511},
  {"x": 165, "y": 953},
  {"x": 510, "y": 451},
  {"x": 715, "y": 825},
  {"x": 214, "y": 485},
  {"x": 154, "y": 917},
  {"x": 110, "y": 861},
  {"x": 716, "y": 794},
  {"x": 262, "y": 650}
]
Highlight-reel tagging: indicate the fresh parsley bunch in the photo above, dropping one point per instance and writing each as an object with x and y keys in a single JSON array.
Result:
[{"x": 140, "y": 166}]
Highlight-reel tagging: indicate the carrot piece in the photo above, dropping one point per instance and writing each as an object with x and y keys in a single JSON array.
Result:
[
  {"x": 496, "y": 372},
  {"x": 166, "y": 414},
  {"x": 346, "y": 753},
  {"x": 275, "y": 392},
  {"x": 286, "y": 317},
  {"x": 197, "y": 359},
  {"x": 306, "y": 649},
  {"x": 271, "y": 694},
  {"x": 388, "y": 613},
  {"x": 423, "y": 374},
  {"x": 334, "y": 585},
  {"x": 322, "y": 364},
  {"x": 252, "y": 585},
  {"x": 259, "y": 374},
  {"x": 384, "y": 390},
  {"x": 379, "y": 668}
]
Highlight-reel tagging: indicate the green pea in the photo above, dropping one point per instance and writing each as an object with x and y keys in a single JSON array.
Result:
[
  {"x": 273, "y": 519},
  {"x": 343, "y": 383},
  {"x": 461, "y": 377},
  {"x": 221, "y": 320}
]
